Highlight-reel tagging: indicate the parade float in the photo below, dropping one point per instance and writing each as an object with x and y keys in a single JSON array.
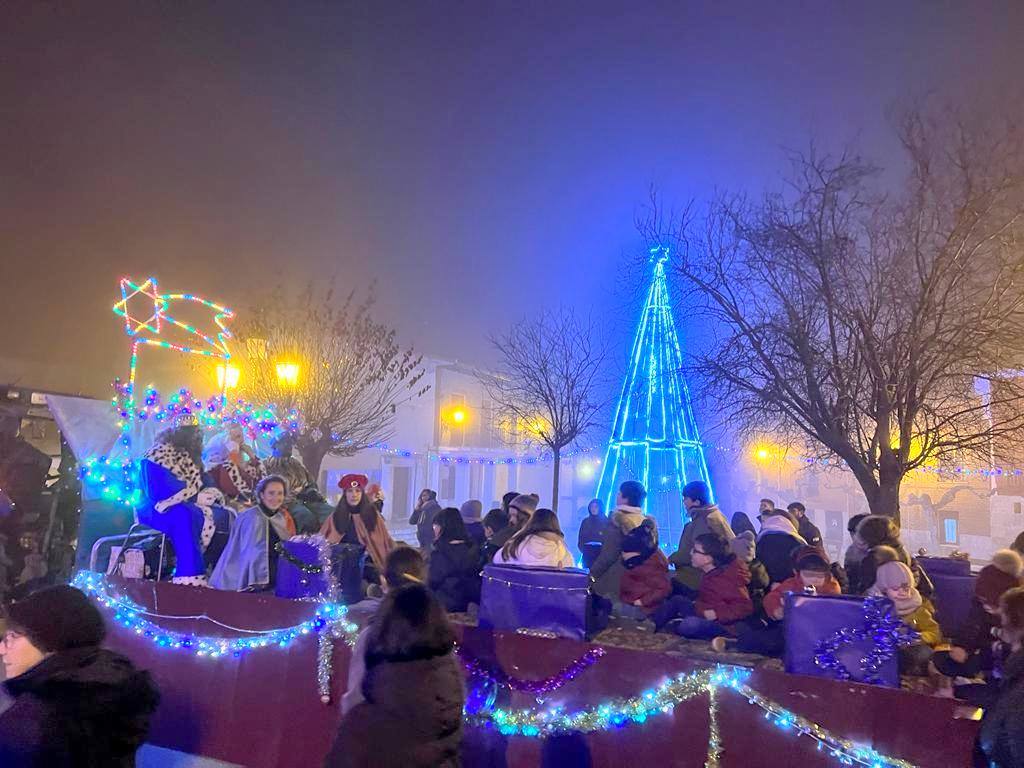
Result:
[{"x": 255, "y": 679}]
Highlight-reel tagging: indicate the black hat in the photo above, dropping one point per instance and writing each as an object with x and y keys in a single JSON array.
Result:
[
  {"x": 643, "y": 540},
  {"x": 57, "y": 619}
]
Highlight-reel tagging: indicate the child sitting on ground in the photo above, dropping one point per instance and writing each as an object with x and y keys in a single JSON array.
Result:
[
  {"x": 722, "y": 597},
  {"x": 744, "y": 547},
  {"x": 645, "y": 583},
  {"x": 813, "y": 575},
  {"x": 895, "y": 580},
  {"x": 974, "y": 652}
]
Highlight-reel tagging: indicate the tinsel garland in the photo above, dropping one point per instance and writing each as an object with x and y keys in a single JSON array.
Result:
[
  {"x": 886, "y": 632},
  {"x": 550, "y": 684},
  {"x": 663, "y": 699}
]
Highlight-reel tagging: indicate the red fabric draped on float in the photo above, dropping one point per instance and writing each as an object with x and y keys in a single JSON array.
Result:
[{"x": 263, "y": 709}]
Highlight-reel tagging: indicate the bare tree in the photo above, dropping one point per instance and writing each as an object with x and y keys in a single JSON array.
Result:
[
  {"x": 343, "y": 371},
  {"x": 549, "y": 382},
  {"x": 885, "y": 331}
]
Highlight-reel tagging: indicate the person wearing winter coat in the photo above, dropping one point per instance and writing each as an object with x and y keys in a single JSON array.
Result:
[
  {"x": 743, "y": 546},
  {"x": 807, "y": 530},
  {"x": 413, "y": 689},
  {"x": 812, "y": 573},
  {"x": 423, "y": 518},
  {"x": 645, "y": 583},
  {"x": 722, "y": 598},
  {"x": 896, "y": 581},
  {"x": 591, "y": 532},
  {"x": 878, "y": 532},
  {"x": 471, "y": 511},
  {"x": 1001, "y": 738},
  {"x": 75, "y": 705},
  {"x": 705, "y": 517},
  {"x": 520, "y": 509},
  {"x": 356, "y": 520},
  {"x": 776, "y": 543},
  {"x": 971, "y": 652},
  {"x": 607, "y": 570},
  {"x": 855, "y": 553},
  {"x": 403, "y": 567},
  {"x": 454, "y": 567},
  {"x": 496, "y": 532},
  {"x": 539, "y": 544}
]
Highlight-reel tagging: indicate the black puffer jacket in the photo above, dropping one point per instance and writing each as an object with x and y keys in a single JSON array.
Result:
[
  {"x": 412, "y": 717},
  {"x": 454, "y": 574},
  {"x": 85, "y": 708},
  {"x": 1002, "y": 730}
]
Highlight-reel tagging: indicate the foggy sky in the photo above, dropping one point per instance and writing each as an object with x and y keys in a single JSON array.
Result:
[{"x": 475, "y": 161}]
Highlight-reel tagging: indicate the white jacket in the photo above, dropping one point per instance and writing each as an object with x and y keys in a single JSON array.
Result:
[{"x": 540, "y": 549}]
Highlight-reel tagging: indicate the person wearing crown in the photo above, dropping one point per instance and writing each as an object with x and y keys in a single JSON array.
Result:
[
  {"x": 171, "y": 478},
  {"x": 356, "y": 520}
]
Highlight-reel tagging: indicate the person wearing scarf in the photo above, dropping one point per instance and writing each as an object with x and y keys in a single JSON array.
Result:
[
  {"x": 249, "y": 561},
  {"x": 895, "y": 581},
  {"x": 356, "y": 521}
]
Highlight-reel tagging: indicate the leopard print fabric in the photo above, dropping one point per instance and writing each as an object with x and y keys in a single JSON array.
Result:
[{"x": 182, "y": 467}]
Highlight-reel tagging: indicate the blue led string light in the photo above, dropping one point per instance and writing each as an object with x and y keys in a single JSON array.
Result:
[
  {"x": 655, "y": 432},
  {"x": 329, "y": 618}
]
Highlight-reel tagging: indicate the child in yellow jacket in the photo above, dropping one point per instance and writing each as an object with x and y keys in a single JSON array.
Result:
[{"x": 896, "y": 581}]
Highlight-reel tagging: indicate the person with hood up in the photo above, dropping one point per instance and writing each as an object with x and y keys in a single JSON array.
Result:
[
  {"x": 741, "y": 522},
  {"x": 1001, "y": 738},
  {"x": 471, "y": 511},
  {"x": 591, "y": 532},
  {"x": 895, "y": 581},
  {"x": 607, "y": 570},
  {"x": 971, "y": 652},
  {"x": 743, "y": 546},
  {"x": 722, "y": 598},
  {"x": 539, "y": 544},
  {"x": 454, "y": 567},
  {"x": 645, "y": 583},
  {"x": 413, "y": 689},
  {"x": 422, "y": 517},
  {"x": 520, "y": 509},
  {"x": 776, "y": 543},
  {"x": 356, "y": 520},
  {"x": 249, "y": 560},
  {"x": 705, "y": 517},
  {"x": 75, "y": 705}
]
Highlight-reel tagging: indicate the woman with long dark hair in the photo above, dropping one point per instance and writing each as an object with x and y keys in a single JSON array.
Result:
[
  {"x": 539, "y": 543},
  {"x": 413, "y": 689},
  {"x": 454, "y": 570},
  {"x": 356, "y": 520}
]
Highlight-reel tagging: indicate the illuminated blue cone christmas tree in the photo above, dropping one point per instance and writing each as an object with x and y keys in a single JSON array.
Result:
[{"x": 655, "y": 438}]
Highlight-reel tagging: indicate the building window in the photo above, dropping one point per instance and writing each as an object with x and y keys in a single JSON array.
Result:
[
  {"x": 447, "y": 490},
  {"x": 1016, "y": 507},
  {"x": 949, "y": 530}
]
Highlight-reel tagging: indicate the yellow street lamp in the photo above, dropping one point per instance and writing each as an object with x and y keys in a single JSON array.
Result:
[
  {"x": 287, "y": 373},
  {"x": 227, "y": 376}
]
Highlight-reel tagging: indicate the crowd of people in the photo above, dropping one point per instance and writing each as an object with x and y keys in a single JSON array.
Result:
[{"x": 726, "y": 583}]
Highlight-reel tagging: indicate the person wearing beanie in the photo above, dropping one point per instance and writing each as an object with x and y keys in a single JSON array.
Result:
[
  {"x": 705, "y": 517},
  {"x": 75, "y": 705},
  {"x": 607, "y": 570},
  {"x": 1001, "y": 738},
  {"x": 722, "y": 599},
  {"x": 520, "y": 509},
  {"x": 471, "y": 511},
  {"x": 645, "y": 583},
  {"x": 880, "y": 531},
  {"x": 895, "y": 581},
  {"x": 811, "y": 573},
  {"x": 743, "y": 546},
  {"x": 855, "y": 553},
  {"x": 971, "y": 652},
  {"x": 776, "y": 543}
]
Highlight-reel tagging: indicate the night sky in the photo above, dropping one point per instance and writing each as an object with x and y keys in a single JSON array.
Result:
[{"x": 475, "y": 162}]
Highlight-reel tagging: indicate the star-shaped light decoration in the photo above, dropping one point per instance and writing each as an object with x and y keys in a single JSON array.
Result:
[{"x": 148, "y": 291}]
